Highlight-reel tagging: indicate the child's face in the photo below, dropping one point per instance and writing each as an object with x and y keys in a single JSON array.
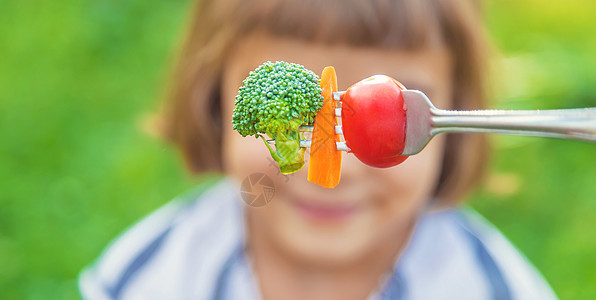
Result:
[{"x": 371, "y": 208}]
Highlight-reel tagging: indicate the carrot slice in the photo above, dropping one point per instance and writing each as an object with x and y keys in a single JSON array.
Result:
[{"x": 324, "y": 166}]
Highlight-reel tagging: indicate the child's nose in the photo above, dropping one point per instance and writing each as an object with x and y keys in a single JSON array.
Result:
[{"x": 352, "y": 169}]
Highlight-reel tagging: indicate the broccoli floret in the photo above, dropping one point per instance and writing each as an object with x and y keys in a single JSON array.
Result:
[{"x": 276, "y": 99}]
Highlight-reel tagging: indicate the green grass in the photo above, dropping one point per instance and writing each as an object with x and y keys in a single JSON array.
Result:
[
  {"x": 77, "y": 79},
  {"x": 541, "y": 192}
]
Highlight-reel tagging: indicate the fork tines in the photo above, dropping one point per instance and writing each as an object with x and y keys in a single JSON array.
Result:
[{"x": 341, "y": 146}]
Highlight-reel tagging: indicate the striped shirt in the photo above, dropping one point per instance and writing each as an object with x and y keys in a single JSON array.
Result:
[{"x": 194, "y": 249}]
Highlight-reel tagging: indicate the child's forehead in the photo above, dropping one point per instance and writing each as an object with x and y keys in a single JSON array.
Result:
[
  {"x": 417, "y": 68},
  {"x": 396, "y": 24}
]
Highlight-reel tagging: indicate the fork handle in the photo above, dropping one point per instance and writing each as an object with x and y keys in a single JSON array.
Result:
[{"x": 577, "y": 123}]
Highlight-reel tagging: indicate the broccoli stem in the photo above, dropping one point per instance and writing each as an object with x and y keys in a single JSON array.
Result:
[{"x": 287, "y": 153}]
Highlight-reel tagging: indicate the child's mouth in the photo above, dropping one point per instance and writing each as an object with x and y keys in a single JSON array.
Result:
[{"x": 321, "y": 211}]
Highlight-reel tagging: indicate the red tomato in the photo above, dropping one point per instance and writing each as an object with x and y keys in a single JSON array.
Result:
[{"x": 374, "y": 121}]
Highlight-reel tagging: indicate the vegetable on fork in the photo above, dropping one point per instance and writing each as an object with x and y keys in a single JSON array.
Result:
[
  {"x": 324, "y": 165},
  {"x": 276, "y": 99},
  {"x": 374, "y": 121},
  {"x": 381, "y": 121}
]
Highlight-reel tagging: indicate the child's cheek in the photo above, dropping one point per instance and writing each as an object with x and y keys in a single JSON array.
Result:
[
  {"x": 417, "y": 176},
  {"x": 243, "y": 156}
]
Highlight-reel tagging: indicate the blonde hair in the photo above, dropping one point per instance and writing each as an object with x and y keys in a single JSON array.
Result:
[{"x": 193, "y": 117}]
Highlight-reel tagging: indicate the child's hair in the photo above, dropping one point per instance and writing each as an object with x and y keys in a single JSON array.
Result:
[{"x": 193, "y": 113}]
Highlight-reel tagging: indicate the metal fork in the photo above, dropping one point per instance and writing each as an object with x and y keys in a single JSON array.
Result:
[{"x": 424, "y": 121}]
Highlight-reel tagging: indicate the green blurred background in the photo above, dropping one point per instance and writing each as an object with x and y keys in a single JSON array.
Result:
[{"x": 78, "y": 80}]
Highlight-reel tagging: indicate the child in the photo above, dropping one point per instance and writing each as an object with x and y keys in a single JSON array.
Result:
[{"x": 379, "y": 234}]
